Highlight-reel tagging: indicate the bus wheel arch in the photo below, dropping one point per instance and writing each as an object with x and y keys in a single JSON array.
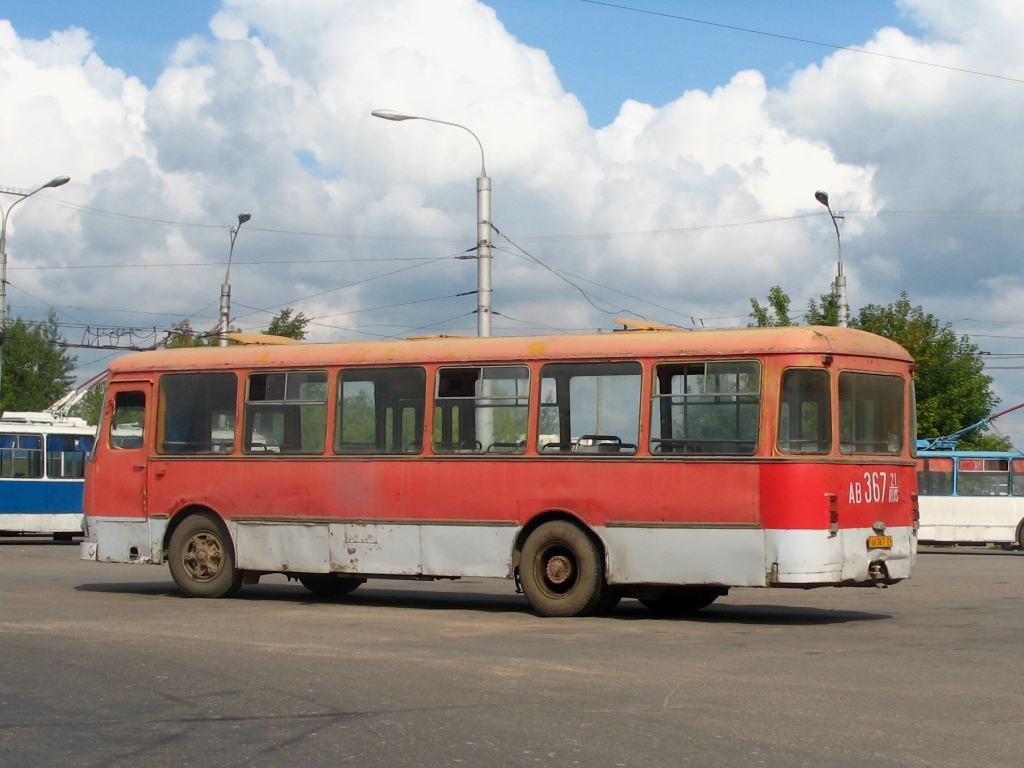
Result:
[
  {"x": 201, "y": 554},
  {"x": 561, "y": 566},
  {"x": 1020, "y": 534}
]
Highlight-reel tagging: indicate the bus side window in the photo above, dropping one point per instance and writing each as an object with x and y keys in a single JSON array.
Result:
[
  {"x": 286, "y": 412},
  {"x": 589, "y": 408},
  {"x": 197, "y": 413},
  {"x": 380, "y": 411},
  {"x": 481, "y": 409},
  {"x": 126, "y": 423},
  {"x": 707, "y": 408}
]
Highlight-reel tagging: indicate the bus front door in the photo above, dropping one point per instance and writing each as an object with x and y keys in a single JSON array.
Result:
[{"x": 115, "y": 496}]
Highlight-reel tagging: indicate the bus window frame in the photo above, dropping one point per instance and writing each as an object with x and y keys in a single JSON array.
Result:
[
  {"x": 694, "y": 447},
  {"x": 477, "y": 411},
  {"x": 385, "y": 430},
  {"x": 825, "y": 442},
  {"x": 292, "y": 410},
  {"x": 854, "y": 446},
  {"x": 590, "y": 444},
  {"x": 209, "y": 446}
]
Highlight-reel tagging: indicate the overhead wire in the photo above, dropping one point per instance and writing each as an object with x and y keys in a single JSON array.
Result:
[{"x": 805, "y": 41}]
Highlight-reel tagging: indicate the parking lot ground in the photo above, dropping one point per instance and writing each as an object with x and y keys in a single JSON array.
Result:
[{"x": 108, "y": 665}]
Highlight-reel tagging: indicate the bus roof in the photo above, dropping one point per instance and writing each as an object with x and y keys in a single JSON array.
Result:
[{"x": 634, "y": 343}]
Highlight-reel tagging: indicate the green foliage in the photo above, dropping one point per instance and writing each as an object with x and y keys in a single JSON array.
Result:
[
  {"x": 284, "y": 324},
  {"x": 90, "y": 407},
  {"x": 36, "y": 369},
  {"x": 822, "y": 311},
  {"x": 183, "y": 335},
  {"x": 953, "y": 391},
  {"x": 776, "y": 312},
  {"x": 359, "y": 422}
]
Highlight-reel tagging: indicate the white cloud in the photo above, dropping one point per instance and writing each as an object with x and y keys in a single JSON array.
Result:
[{"x": 269, "y": 113}]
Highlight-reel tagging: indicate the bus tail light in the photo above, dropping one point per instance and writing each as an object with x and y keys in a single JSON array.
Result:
[
  {"x": 915, "y": 511},
  {"x": 833, "y": 514}
]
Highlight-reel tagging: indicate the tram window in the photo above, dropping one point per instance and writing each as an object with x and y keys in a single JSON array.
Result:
[
  {"x": 66, "y": 455},
  {"x": 706, "y": 408},
  {"x": 1017, "y": 477},
  {"x": 21, "y": 455},
  {"x": 935, "y": 476},
  {"x": 805, "y": 412},
  {"x": 197, "y": 413},
  {"x": 481, "y": 409},
  {"x": 590, "y": 408},
  {"x": 870, "y": 413},
  {"x": 983, "y": 477},
  {"x": 380, "y": 411},
  {"x": 286, "y": 412},
  {"x": 127, "y": 421}
]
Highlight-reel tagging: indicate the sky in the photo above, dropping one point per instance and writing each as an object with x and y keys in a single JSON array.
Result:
[{"x": 649, "y": 159}]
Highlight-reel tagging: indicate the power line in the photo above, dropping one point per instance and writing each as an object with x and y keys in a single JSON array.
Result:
[
  {"x": 220, "y": 265},
  {"x": 805, "y": 41}
]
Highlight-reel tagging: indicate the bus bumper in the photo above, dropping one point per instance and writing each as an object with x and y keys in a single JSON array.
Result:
[
  {"x": 124, "y": 540},
  {"x": 801, "y": 558}
]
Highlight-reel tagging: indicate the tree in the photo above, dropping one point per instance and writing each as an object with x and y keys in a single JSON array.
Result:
[
  {"x": 183, "y": 335},
  {"x": 90, "y": 407},
  {"x": 775, "y": 313},
  {"x": 823, "y": 311},
  {"x": 36, "y": 368},
  {"x": 284, "y": 324},
  {"x": 952, "y": 389}
]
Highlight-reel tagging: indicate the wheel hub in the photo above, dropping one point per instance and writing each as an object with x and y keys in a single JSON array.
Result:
[
  {"x": 203, "y": 557},
  {"x": 559, "y": 569}
]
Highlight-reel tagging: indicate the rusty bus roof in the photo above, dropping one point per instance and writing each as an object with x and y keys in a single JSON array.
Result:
[{"x": 596, "y": 346}]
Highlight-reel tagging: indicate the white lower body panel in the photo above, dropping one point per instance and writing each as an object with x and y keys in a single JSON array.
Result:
[
  {"x": 739, "y": 556},
  {"x": 969, "y": 534},
  {"x": 42, "y": 523}
]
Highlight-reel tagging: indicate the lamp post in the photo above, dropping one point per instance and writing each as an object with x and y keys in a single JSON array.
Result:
[
  {"x": 5, "y": 216},
  {"x": 843, "y": 310},
  {"x": 483, "y": 224},
  {"x": 225, "y": 288}
]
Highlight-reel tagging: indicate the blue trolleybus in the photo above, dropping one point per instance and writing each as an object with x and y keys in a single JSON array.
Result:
[{"x": 42, "y": 473}]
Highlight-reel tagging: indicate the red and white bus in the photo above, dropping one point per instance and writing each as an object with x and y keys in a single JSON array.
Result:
[{"x": 658, "y": 464}]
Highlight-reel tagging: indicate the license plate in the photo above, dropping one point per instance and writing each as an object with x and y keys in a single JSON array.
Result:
[{"x": 879, "y": 542}]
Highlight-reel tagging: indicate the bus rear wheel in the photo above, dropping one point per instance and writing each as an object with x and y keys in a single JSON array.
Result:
[
  {"x": 561, "y": 571},
  {"x": 329, "y": 584},
  {"x": 202, "y": 558},
  {"x": 679, "y": 601}
]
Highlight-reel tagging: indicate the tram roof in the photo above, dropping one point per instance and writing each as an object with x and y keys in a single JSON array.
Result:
[{"x": 630, "y": 343}]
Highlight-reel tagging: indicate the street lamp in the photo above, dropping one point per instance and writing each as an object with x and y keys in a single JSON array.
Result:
[
  {"x": 843, "y": 310},
  {"x": 483, "y": 224},
  {"x": 225, "y": 288},
  {"x": 5, "y": 216}
]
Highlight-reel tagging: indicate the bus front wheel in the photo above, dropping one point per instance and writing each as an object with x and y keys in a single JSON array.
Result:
[
  {"x": 202, "y": 558},
  {"x": 561, "y": 570}
]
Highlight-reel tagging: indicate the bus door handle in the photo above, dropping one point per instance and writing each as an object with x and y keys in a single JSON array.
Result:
[{"x": 139, "y": 467}]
